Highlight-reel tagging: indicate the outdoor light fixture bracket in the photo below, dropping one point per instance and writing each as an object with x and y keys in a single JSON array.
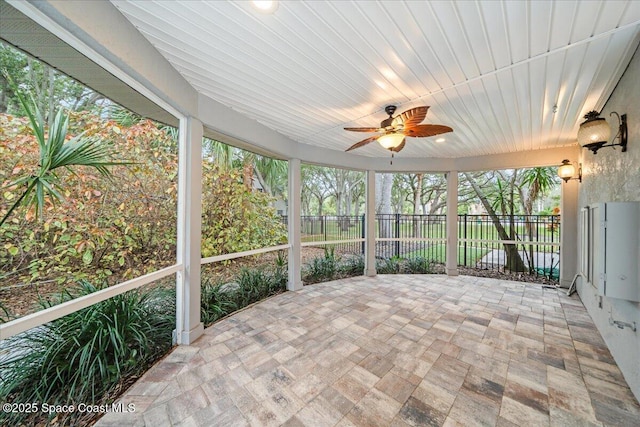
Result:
[{"x": 621, "y": 135}]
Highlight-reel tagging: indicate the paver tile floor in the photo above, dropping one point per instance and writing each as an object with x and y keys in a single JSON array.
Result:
[{"x": 396, "y": 350}]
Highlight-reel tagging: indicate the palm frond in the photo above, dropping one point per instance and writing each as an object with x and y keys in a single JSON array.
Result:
[{"x": 56, "y": 152}]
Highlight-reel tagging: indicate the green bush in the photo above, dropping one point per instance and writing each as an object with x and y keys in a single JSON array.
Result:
[
  {"x": 252, "y": 285},
  {"x": 352, "y": 265},
  {"x": 235, "y": 217},
  {"x": 388, "y": 266},
  {"x": 89, "y": 355},
  {"x": 124, "y": 227},
  {"x": 321, "y": 269},
  {"x": 417, "y": 265}
]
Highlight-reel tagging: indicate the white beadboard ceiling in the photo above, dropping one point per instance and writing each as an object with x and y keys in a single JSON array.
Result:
[{"x": 492, "y": 70}]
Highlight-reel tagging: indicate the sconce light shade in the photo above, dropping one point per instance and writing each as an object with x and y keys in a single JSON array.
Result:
[
  {"x": 566, "y": 171},
  {"x": 391, "y": 140},
  {"x": 594, "y": 132}
]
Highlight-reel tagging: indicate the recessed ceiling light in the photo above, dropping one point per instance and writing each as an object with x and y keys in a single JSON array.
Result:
[
  {"x": 440, "y": 140},
  {"x": 265, "y": 6}
]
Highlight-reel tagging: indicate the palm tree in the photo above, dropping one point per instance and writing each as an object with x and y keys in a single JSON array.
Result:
[
  {"x": 56, "y": 153},
  {"x": 218, "y": 152},
  {"x": 539, "y": 182}
]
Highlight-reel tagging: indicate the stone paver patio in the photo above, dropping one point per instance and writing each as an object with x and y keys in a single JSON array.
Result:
[{"x": 422, "y": 350}]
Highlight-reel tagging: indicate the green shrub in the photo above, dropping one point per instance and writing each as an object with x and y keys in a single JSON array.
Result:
[
  {"x": 251, "y": 285},
  {"x": 352, "y": 265},
  {"x": 417, "y": 265},
  {"x": 388, "y": 266},
  {"x": 89, "y": 355},
  {"x": 216, "y": 301},
  {"x": 124, "y": 227},
  {"x": 321, "y": 269}
]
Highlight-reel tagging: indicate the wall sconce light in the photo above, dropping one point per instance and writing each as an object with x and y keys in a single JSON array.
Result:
[
  {"x": 594, "y": 132},
  {"x": 566, "y": 171}
]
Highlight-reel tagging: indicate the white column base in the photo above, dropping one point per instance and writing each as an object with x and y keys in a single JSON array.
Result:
[{"x": 188, "y": 337}]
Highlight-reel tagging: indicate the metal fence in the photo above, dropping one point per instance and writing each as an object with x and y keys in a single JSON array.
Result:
[
  {"x": 410, "y": 236},
  {"x": 327, "y": 228},
  {"x": 529, "y": 243}
]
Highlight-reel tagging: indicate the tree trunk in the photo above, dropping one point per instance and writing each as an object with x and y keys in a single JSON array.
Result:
[
  {"x": 385, "y": 205},
  {"x": 417, "y": 224},
  {"x": 514, "y": 260}
]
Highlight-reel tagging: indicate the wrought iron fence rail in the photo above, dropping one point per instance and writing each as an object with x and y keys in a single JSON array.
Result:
[{"x": 535, "y": 239}]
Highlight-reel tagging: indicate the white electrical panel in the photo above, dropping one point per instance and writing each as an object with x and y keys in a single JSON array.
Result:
[{"x": 616, "y": 249}]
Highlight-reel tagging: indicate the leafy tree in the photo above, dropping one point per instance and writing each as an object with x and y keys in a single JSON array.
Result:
[
  {"x": 13, "y": 64},
  {"x": 314, "y": 189},
  {"x": 48, "y": 87},
  {"x": 122, "y": 227},
  {"x": 270, "y": 173},
  {"x": 384, "y": 188},
  {"x": 55, "y": 152},
  {"x": 514, "y": 260},
  {"x": 216, "y": 151},
  {"x": 234, "y": 214},
  {"x": 535, "y": 183}
]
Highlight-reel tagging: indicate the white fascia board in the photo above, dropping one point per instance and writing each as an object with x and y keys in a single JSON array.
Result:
[{"x": 98, "y": 30}]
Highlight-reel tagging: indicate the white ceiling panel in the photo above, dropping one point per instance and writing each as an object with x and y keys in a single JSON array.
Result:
[{"x": 492, "y": 70}]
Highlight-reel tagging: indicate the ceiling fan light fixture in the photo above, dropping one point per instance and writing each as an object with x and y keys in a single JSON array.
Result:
[
  {"x": 392, "y": 132},
  {"x": 391, "y": 140}
]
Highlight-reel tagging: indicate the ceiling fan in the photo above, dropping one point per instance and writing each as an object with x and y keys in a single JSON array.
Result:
[{"x": 394, "y": 130}]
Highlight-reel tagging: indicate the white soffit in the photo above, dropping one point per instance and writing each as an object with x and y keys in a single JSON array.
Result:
[{"x": 492, "y": 70}]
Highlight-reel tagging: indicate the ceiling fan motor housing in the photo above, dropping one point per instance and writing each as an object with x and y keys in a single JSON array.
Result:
[{"x": 390, "y": 109}]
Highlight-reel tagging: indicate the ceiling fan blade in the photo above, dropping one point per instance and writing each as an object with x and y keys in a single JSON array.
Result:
[
  {"x": 363, "y": 142},
  {"x": 426, "y": 130},
  {"x": 399, "y": 147},
  {"x": 411, "y": 117},
  {"x": 363, "y": 129}
]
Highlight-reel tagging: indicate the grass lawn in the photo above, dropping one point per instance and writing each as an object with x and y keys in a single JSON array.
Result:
[{"x": 437, "y": 253}]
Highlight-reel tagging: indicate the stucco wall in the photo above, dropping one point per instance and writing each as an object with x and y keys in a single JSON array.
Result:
[{"x": 611, "y": 175}]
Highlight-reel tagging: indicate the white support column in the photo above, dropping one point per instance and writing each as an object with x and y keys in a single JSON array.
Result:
[
  {"x": 568, "y": 232},
  {"x": 370, "y": 225},
  {"x": 452, "y": 223},
  {"x": 188, "y": 324},
  {"x": 295, "y": 201}
]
